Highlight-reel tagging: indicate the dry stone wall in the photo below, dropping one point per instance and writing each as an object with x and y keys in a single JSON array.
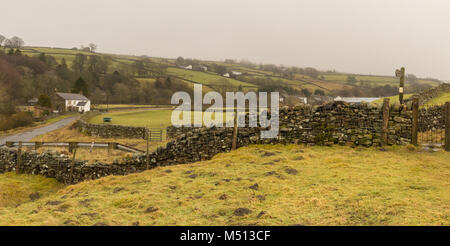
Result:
[
  {"x": 431, "y": 118},
  {"x": 325, "y": 125},
  {"x": 110, "y": 131},
  {"x": 431, "y": 93},
  {"x": 336, "y": 123}
]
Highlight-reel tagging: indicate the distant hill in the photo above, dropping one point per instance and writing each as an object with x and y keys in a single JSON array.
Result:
[{"x": 251, "y": 76}]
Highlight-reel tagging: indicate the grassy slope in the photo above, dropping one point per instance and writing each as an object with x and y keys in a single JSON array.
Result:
[
  {"x": 442, "y": 99},
  {"x": 392, "y": 99},
  {"x": 332, "y": 186},
  {"x": 331, "y": 81},
  {"x": 373, "y": 79},
  {"x": 204, "y": 77},
  {"x": 16, "y": 189}
]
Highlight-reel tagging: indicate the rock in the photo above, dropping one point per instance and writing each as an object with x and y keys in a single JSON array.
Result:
[
  {"x": 254, "y": 187},
  {"x": 242, "y": 211},
  {"x": 151, "y": 210},
  {"x": 34, "y": 196}
]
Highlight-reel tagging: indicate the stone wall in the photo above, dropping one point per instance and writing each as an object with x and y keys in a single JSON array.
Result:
[
  {"x": 110, "y": 131},
  {"x": 431, "y": 93},
  {"x": 431, "y": 118},
  {"x": 325, "y": 125},
  {"x": 336, "y": 123}
]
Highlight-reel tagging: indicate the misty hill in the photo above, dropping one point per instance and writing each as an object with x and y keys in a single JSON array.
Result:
[{"x": 242, "y": 75}]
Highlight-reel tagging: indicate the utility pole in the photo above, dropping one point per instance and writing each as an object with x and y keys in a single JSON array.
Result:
[{"x": 400, "y": 73}]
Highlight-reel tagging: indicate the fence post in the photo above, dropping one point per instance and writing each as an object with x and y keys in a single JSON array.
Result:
[
  {"x": 447, "y": 126},
  {"x": 72, "y": 146},
  {"x": 73, "y": 161},
  {"x": 19, "y": 158},
  {"x": 37, "y": 145},
  {"x": 385, "y": 120},
  {"x": 415, "y": 120},
  {"x": 147, "y": 155},
  {"x": 235, "y": 130}
]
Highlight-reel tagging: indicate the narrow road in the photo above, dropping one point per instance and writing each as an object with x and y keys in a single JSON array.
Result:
[{"x": 28, "y": 135}]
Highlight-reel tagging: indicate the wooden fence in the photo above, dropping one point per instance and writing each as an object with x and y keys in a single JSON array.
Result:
[{"x": 74, "y": 145}]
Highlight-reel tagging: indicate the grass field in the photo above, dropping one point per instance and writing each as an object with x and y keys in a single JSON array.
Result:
[
  {"x": 146, "y": 118},
  {"x": 67, "y": 134},
  {"x": 260, "y": 185},
  {"x": 442, "y": 99},
  {"x": 331, "y": 81},
  {"x": 205, "y": 78},
  {"x": 392, "y": 99},
  {"x": 373, "y": 80}
]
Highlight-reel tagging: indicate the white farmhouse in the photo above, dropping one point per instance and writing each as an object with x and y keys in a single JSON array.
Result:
[{"x": 72, "y": 102}]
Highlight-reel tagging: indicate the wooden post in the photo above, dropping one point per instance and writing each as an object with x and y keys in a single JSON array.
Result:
[
  {"x": 385, "y": 120},
  {"x": 447, "y": 126},
  {"x": 19, "y": 158},
  {"x": 73, "y": 161},
  {"x": 112, "y": 146},
  {"x": 415, "y": 120},
  {"x": 235, "y": 130},
  {"x": 72, "y": 146},
  {"x": 147, "y": 153},
  {"x": 37, "y": 145}
]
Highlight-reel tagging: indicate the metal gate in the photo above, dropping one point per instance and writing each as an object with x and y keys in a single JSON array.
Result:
[{"x": 431, "y": 125}]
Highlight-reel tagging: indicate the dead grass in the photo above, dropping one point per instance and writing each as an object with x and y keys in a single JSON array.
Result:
[
  {"x": 19, "y": 189},
  {"x": 68, "y": 134},
  {"x": 262, "y": 185}
]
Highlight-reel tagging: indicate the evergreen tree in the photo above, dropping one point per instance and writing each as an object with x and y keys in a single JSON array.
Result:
[
  {"x": 44, "y": 101},
  {"x": 80, "y": 87}
]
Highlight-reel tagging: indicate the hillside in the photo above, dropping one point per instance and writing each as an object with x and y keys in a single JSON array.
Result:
[
  {"x": 256, "y": 185},
  {"x": 252, "y": 76}
]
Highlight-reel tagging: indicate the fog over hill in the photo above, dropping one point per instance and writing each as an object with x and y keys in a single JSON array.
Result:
[{"x": 365, "y": 37}]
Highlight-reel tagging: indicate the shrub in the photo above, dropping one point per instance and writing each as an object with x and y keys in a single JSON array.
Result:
[{"x": 15, "y": 120}]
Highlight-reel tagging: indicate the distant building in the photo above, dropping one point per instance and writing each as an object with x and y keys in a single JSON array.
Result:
[
  {"x": 71, "y": 102},
  {"x": 303, "y": 100},
  {"x": 355, "y": 99},
  {"x": 188, "y": 67},
  {"x": 319, "y": 100},
  {"x": 33, "y": 101},
  {"x": 200, "y": 68},
  {"x": 236, "y": 73},
  {"x": 226, "y": 75}
]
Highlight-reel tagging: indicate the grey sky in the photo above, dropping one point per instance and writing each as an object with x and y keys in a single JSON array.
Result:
[{"x": 360, "y": 36}]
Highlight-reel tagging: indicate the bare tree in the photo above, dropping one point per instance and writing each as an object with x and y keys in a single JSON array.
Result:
[
  {"x": 93, "y": 47},
  {"x": 2, "y": 38},
  {"x": 14, "y": 42}
]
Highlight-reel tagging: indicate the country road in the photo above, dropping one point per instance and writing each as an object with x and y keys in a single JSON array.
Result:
[{"x": 28, "y": 135}]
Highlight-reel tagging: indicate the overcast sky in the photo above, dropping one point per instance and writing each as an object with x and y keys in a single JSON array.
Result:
[{"x": 358, "y": 36}]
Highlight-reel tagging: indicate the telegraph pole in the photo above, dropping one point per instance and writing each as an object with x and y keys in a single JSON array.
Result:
[{"x": 400, "y": 73}]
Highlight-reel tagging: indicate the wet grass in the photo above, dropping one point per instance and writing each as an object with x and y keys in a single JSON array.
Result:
[{"x": 261, "y": 185}]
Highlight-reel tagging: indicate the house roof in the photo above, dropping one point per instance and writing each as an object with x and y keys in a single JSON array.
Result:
[
  {"x": 33, "y": 100},
  {"x": 71, "y": 96},
  {"x": 81, "y": 104}
]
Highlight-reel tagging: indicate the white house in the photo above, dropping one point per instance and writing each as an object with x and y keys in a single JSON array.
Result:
[
  {"x": 73, "y": 102},
  {"x": 226, "y": 75},
  {"x": 355, "y": 99},
  {"x": 236, "y": 73},
  {"x": 303, "y": 100}
]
